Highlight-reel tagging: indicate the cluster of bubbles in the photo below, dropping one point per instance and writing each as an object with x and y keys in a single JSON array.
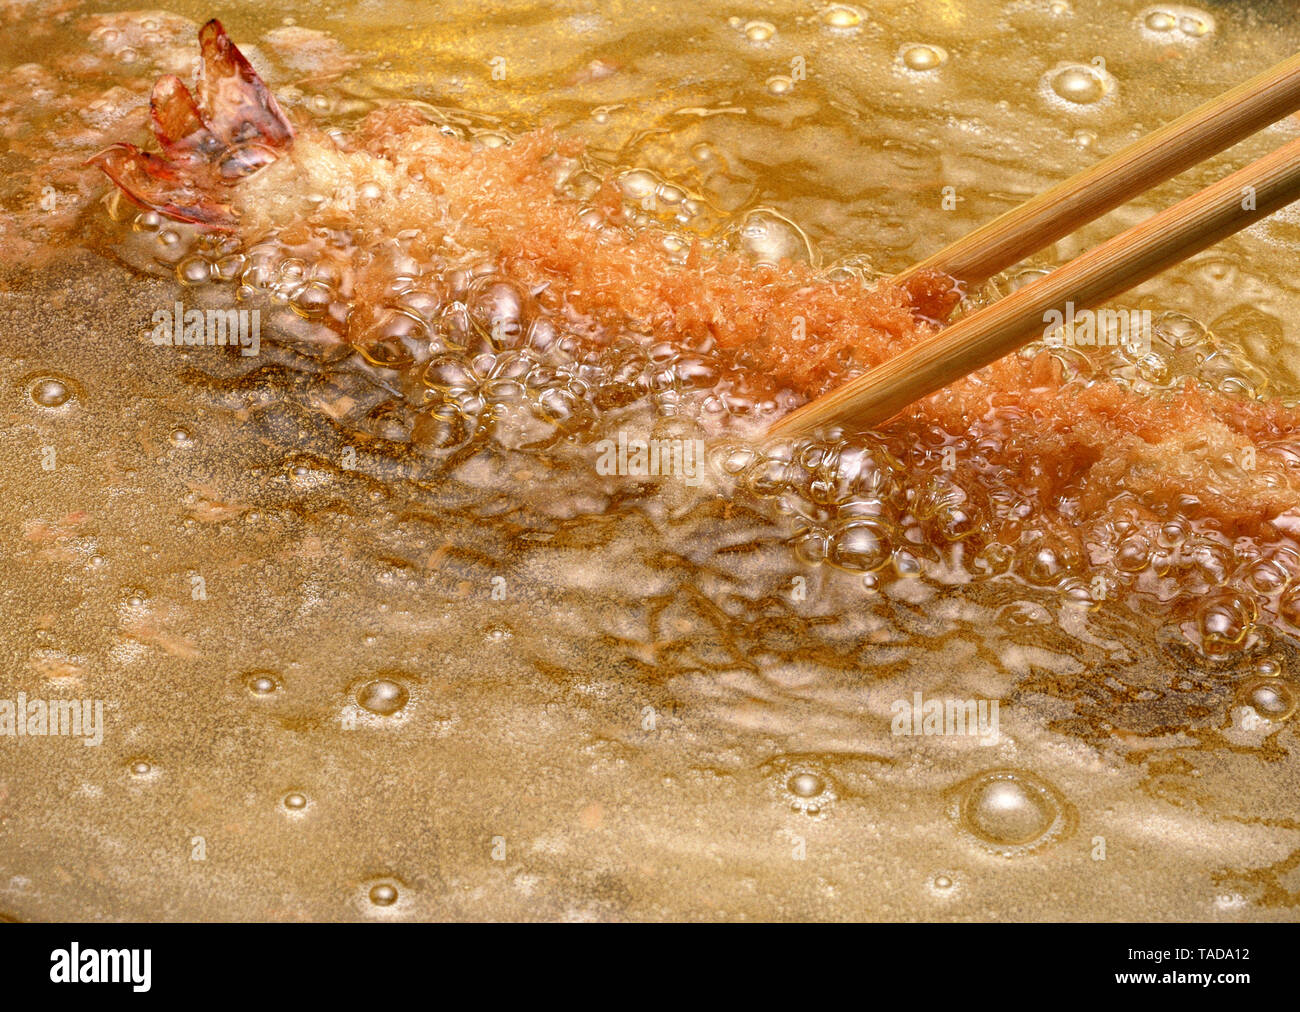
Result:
[
  {"x": 886, "y": 512},
  {"x": 455, "y": 354},
  {"x": 1175, "y": 22},
  {"x": 1070, "y": 85},
  {"x": 1269, "y": 695},
  {"x": 466, "y": 350},
  {"x": 801, "y": 784},
  {"x": 467, "y": 356},
  {"x": 1161, "y": 357}
]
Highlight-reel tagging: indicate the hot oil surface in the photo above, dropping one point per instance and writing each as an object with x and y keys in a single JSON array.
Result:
[{"x": 431, "y": 674}]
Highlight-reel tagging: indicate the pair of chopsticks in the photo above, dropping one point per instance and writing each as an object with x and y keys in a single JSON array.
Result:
[{"x": 1115, "y": 266}]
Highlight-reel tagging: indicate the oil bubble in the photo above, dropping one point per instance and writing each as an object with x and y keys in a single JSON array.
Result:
[
  {"x": 1160, "y": 21},
  {"x": 194, "y": 270},
  {"x": 922, "y": 56},
  {"x": 864, "y": 546},
  {"x": 842, "y": 17},
  {"x": 1176, "y": 23},
  {"x": 295, "y": 801},
  {"x": 50, "y": 392},
  {"x": 383, "y": 894},
  {"x": 1225, "y": 622},
  {"x": 1010, "y": 811},
  {"x": 760, "y": 31},
  {"x": 382, "y": 696},
  {"x": 769, "y": 238},
  {"x": 1080, "y": 84},
  {"x": 638, "y": 184},
  {"x": 1271, "y": 698},
  {"x": 261, "y": 683},
  {"x": 801, "y": 784}
]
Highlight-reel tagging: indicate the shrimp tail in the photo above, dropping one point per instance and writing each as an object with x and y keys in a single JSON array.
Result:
[
  {"x": 234, "y": 128},
  {"x": 157, "y": 184}
]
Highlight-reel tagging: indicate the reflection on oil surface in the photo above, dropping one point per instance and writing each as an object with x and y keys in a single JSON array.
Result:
[{"x": 356, "y": 665}]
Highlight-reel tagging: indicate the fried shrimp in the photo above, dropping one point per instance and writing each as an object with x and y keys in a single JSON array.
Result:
[{"x": 1094, "y": 462}]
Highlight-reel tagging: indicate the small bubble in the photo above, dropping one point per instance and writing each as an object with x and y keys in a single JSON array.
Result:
[
  {"x": 806, "y": 785},
  {"x": 1225, "y": 622},
  {"x": 261, "y": 683},
  {"x": 942, "y": 882},
  {"x": 382, "y": 696},
  {"x": 1271, "y": 698},
  {"x": 312, "y": 300},
  {"x": 384, "y": 894},
  {"x": 181, "y": 437},
  {"x": 1161, "y": 21},
  {"x": 769, "y": 238},
  {"x": 1078, "y": 84},
  {"x": 842, "y": 16},
  {"x": 780, "y": 85},
  {"x": 638, "y": 184},
  {"x": 295, "y": 802},
  {"x": 759, "y": 31},
  {"x": 864, "y": 546},
  {"x": 50, "y": 392},
  {"x": 194, "y": 270},
  {"x": 140, "y": 767},
  {"x": 671, "y": 195},
  {"x": 922, "y": 56}
]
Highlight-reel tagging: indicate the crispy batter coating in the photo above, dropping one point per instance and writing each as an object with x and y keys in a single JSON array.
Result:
[{"x": 1070, "y": 448}]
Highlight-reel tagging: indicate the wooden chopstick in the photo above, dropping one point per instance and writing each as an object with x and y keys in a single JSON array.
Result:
[
  {"x": 1160, "y": 155},
  {"x": 1116, "y": 265}
]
